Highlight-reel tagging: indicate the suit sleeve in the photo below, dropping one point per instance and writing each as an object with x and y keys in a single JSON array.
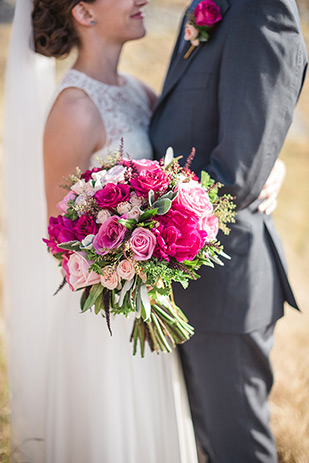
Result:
[{"x": 261, "y": 77}]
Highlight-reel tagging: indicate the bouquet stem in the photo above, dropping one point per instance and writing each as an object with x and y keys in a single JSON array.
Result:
[{"x": 167, "y": 326}]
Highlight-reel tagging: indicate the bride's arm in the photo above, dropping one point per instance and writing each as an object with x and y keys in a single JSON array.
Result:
[{"x": 73, "y": 132}]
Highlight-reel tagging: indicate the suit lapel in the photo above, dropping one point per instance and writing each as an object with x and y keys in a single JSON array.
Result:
[{"x": 179, "y": 65}]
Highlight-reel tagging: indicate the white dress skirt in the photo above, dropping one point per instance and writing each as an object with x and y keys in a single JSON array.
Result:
[{"x": 103, "y": 404}]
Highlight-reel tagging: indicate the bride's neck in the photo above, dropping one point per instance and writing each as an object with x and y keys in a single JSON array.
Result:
[{"x": 100, "y": 62}]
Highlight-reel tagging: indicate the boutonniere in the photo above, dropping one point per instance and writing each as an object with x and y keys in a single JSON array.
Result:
[{"x": 205, "y": 16}]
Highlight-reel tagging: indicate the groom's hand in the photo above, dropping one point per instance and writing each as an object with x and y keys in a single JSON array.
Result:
[{"x": 272, "y": 188}]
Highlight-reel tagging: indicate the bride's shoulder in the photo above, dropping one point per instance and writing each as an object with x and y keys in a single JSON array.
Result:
[
  {"x": 74, "y": 119},
  {"x": 73, "y": 108}
]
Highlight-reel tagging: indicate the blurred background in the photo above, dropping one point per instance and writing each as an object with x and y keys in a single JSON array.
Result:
[{"x": 148, "y": 60}]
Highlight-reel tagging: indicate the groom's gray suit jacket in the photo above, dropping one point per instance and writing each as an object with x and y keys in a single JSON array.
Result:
[{"x": 233, "y": 100}]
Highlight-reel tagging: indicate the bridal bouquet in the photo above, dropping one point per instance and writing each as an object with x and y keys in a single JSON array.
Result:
[{"x": 128, "y": 229}]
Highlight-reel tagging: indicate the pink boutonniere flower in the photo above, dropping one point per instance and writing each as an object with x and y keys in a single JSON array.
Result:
[{"x": 206, "y": 15}]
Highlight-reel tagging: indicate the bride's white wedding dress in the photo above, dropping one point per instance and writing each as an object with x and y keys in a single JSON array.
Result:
[{"x": 104, "y": 405}]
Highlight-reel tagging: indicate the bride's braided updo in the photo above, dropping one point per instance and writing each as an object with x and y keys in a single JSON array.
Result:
[{"x": 54, "y": 33}]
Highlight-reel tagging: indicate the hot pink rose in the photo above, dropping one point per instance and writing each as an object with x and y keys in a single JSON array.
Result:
[
  {"x": 111, "y": 195},
  {"x": 210, "y": 225},
  {"x": 125, "y": 269},
  {"x": 63, "y": 205},
  {"x": 110, "y": 236},
  {"x": 143, "y": 242},
  {"x": 87, "y": 175},
  {"x": 207, "y": 13},
  {"x": 155, "y": 180},
  {"x": 109, "y": 278},
  {"x": 60, "y": 230},
  {"x": 78, "y": 268},
  {"x": 194, "y": 198},
  {"x": 85, "y": 226}
]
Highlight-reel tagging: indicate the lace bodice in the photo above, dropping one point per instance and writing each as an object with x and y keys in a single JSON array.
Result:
[{"x": 124, "y": 110}]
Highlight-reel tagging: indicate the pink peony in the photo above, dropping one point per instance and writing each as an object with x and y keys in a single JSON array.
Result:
[
  {"x": 63, "y": 205},
  {"x": 178, "y": 235},
  {"x": 109, "y": 278},
  {"x": 111, "y": 195},
  {"x": 210, "y": 225},
  {"x": 125, "y": 269},
  {"x": 77, "y": 269},
  {"x": 155, "y": 180},
  {"x": 143, "y": 242},
  {"x": 146, "y": 164},
  {"x": 207, "y": 13},
  {"x": 110, "y": 236},
  {"x": 194, "y": 198}
]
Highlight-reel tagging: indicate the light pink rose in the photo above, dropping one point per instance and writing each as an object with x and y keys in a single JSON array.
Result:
[
  {"x": 79, "y": 275},
  {"x": 194, "y": 198},
  {"x": 63, "y": 205},
  {"x": 210, "y": 225},
  {"x": 83, "y": 188},
  {"x": 135, "y": 200},
  {"x": 109, "y": 278},
  {"x": 134, "y": 213},
  {"x": 125, "y": 269},
  {"x": 143, "y": 242},
  {"x": 190, "y": 32},
  {"x": 114, "y": 175},
  {"x": 103, "y": 215},
  {"x": 124, "y": 207}
]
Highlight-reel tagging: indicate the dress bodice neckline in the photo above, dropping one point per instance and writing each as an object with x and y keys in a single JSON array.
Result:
[{"x": 122, "y": 79}]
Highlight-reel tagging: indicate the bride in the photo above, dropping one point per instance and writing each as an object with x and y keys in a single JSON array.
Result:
[{"x": 97, "y": 403}]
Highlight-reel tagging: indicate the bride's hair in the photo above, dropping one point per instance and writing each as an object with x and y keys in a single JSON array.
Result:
[{"x": 54, "y": 33}]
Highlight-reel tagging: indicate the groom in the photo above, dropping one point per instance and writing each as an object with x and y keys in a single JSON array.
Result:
[{"x": 233, "y": 100}]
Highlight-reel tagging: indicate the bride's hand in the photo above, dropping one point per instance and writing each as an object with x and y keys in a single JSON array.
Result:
[{"x": 272, "y": 188}]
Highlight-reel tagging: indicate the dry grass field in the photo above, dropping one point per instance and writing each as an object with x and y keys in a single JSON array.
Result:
[{"x": 148, "y": 60}]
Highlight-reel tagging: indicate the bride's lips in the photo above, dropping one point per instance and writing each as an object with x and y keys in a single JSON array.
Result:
[{"x": 138, "y": 15}]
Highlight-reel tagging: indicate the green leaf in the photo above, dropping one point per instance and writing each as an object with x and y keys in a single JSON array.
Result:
[
  {"x": 223, "y": 254},
  {"x": 145, "y": 303},
  {"x": 99, "y": 304},
  {"x": 83, "y": 298},
  {"x": 128, "y": 223},
  {"x": 148, "y": 214},
  {"x": 94, "y": 293},
  {"x": 151, "y": 197},
  {"x": 70, "y": 245},
  {"x": 206, "y": 180},
  {"x": 163, "y": 206},
  {"x": 126, "y": 287},
  {"x": 169, "y": 156}
]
